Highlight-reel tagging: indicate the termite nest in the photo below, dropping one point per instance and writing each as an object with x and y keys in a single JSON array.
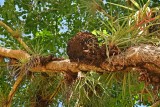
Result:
[{"x": 84, "y": 48}]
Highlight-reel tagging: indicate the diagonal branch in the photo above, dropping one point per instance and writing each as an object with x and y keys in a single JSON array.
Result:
[
  {"x": 14, "y": 88},
  {"x": 55, "y": 92},
  {"x": 15, "y": 34},
  {"x": 6, "y": 27}
]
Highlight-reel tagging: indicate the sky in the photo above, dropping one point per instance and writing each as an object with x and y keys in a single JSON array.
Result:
[{"x": 1, "y": 2}]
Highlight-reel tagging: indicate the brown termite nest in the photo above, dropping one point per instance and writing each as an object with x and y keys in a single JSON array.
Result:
[{"x": 84, "y": 48}]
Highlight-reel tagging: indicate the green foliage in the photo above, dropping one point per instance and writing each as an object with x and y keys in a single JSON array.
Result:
[
  {"x": 5, "y": 84},
  {"x": 47, "y": 25},
  {"x": 111, "y": 89}
]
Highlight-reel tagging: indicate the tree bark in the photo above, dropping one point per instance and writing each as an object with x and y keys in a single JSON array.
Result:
[{"x": 141, "y": 57}]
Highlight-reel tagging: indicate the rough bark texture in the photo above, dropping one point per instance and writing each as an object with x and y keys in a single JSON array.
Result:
[{"x": 143, "y": 56}]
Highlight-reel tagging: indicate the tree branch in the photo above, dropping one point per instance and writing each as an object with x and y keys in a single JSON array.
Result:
[
  {"x": 17, "y": 54},
  {"x": 14, "y": 88},
  {"x": 55, "y": 92},
  {"x": 143, "y": 57},
  {"x": 15, "y": 34},
  {"x": 6, "y": 27},
  {"x": 65, "y": 65}
]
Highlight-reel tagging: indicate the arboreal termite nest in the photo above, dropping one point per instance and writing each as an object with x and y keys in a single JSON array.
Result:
[{"x": 84, "y": 48}]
